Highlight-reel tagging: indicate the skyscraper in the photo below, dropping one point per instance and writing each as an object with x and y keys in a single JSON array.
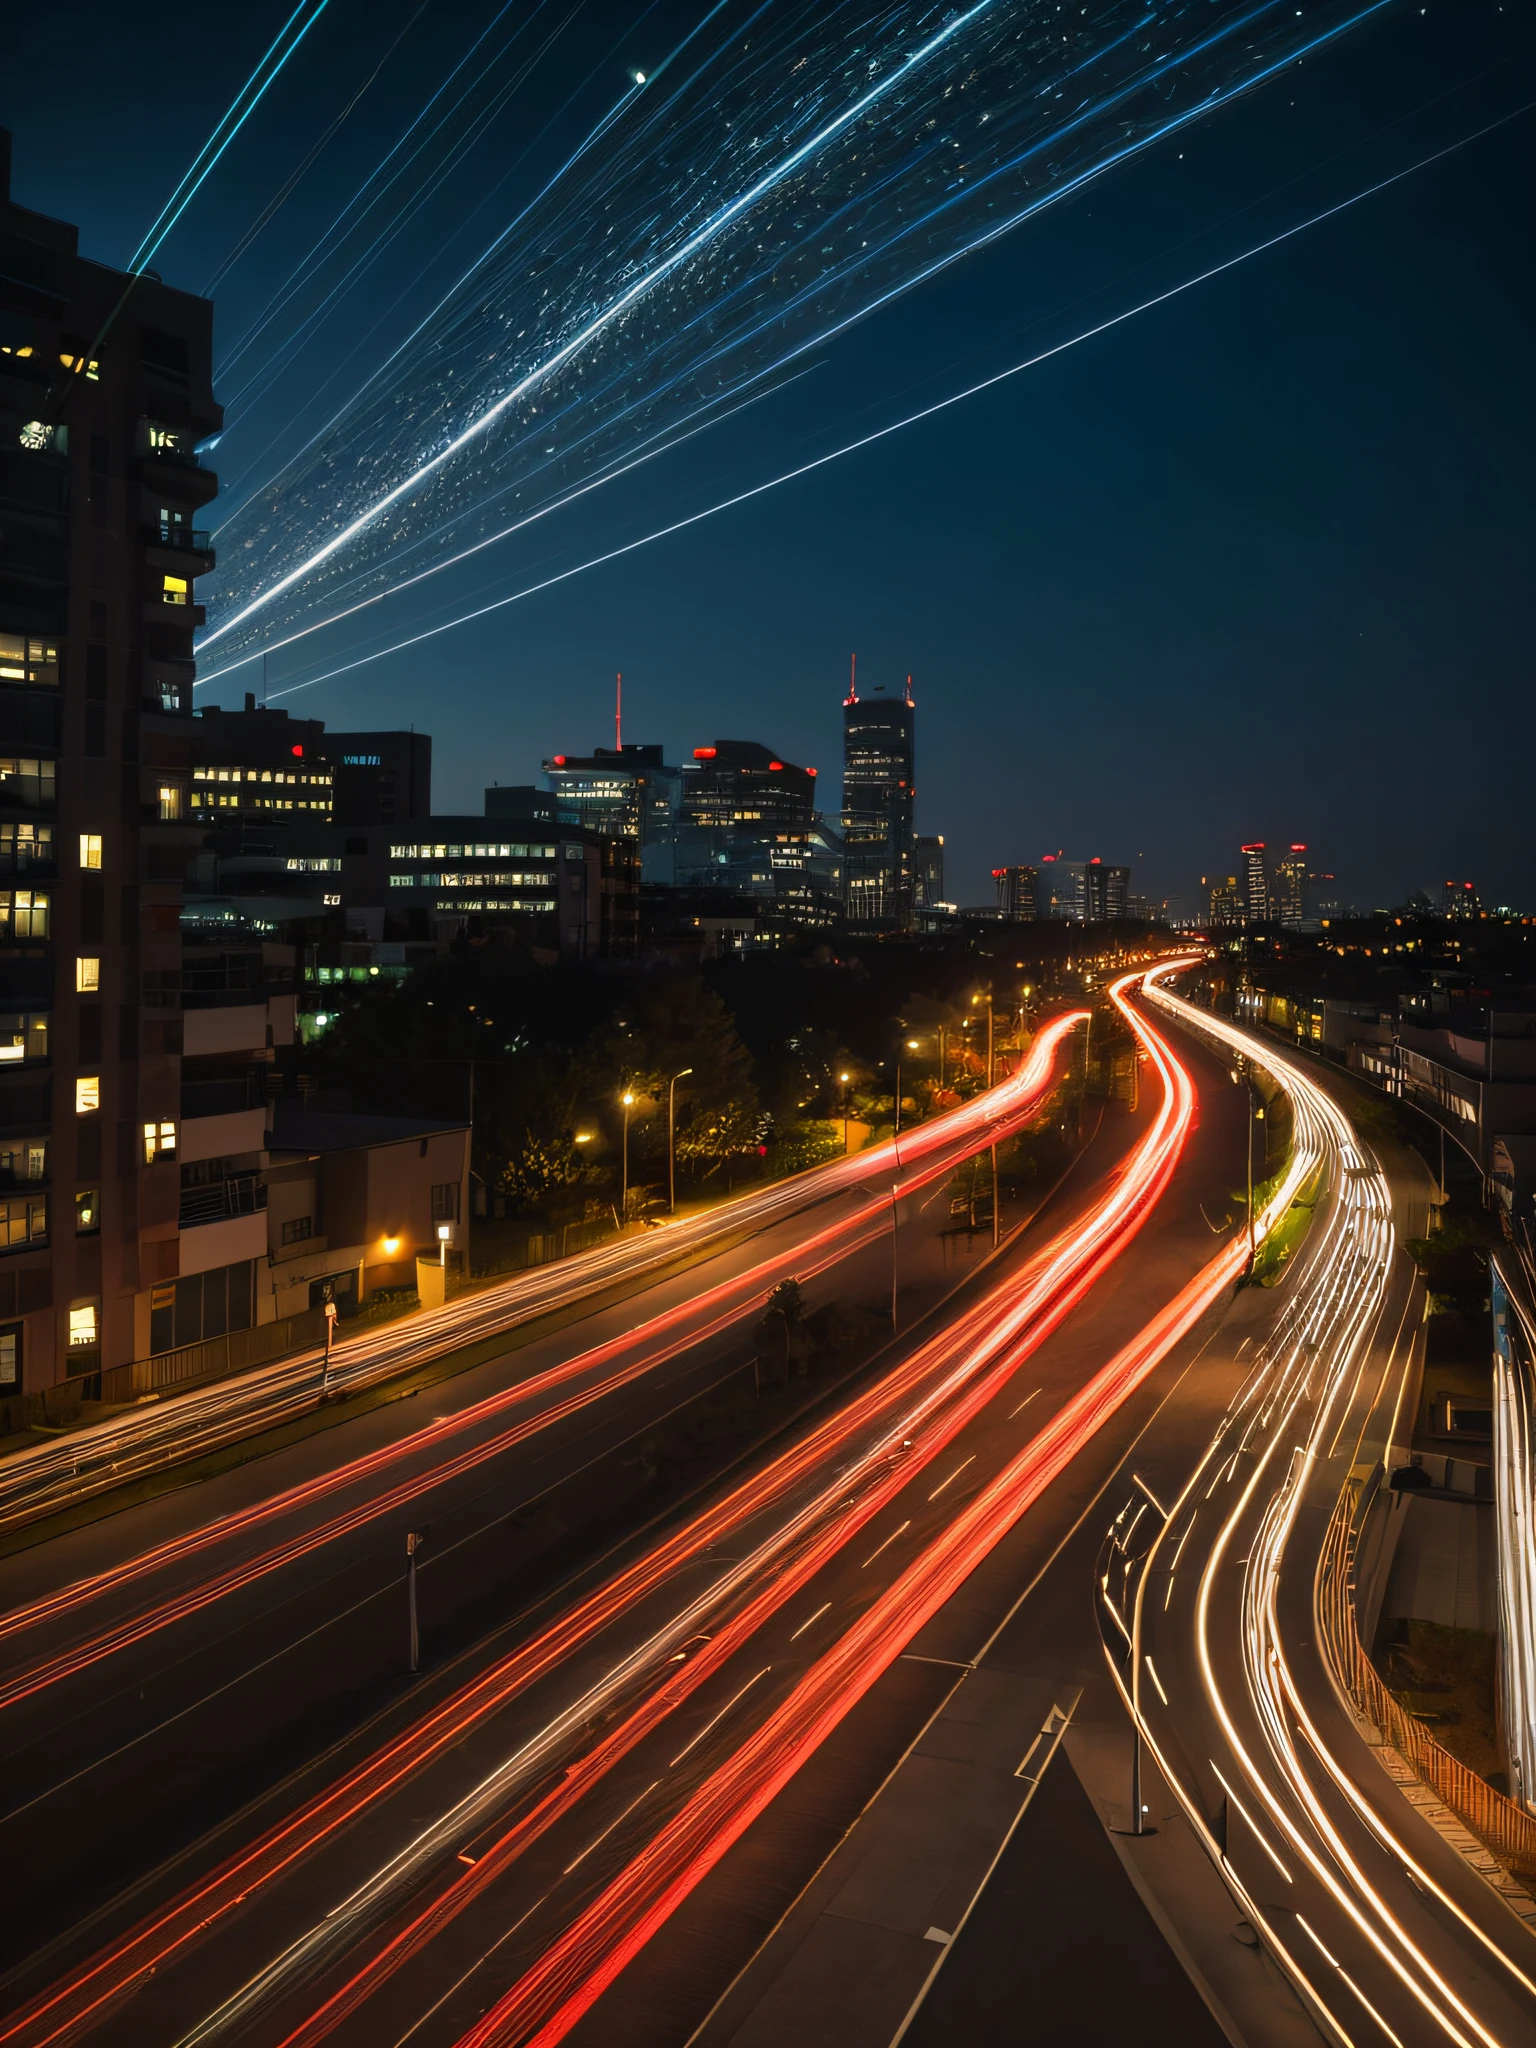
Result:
[
  {"x": 1288, "y": 898},
  {"x": 879, "y": 799},
  {"x": 1256, "y": 907},
  {"x": 1106, "y": 891},
  {"x": 928, "y": 873},
  {"x": 1015, "y": 894}
]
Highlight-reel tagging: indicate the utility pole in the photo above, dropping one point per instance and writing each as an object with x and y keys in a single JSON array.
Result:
[{"x": 672, "y": 1139}]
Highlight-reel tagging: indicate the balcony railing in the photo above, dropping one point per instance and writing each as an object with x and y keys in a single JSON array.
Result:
[
  {"x": 188, "y": 540},
  {"x": 242, "y": 1195}
]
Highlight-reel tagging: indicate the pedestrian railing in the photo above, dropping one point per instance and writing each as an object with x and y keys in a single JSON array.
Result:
[{"x": 1506, "y": 1830}]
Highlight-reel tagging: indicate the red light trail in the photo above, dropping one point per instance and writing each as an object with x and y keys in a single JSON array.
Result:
[{"x": 655, "y": 1342}]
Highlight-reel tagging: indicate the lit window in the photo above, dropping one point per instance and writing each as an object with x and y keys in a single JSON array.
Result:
[
  {"x": 87, "y": 974},
  {"x": 24, "y": 1222},
  {"x": 82, "y": 1325},
  {"x": 87, "y": 1212},
  {"x": 23, "y": 914},
  {"x": 90, "y": 849},
  {"x": 159, "y": 1142},
  {"x": 87, "y": 1094},
  {"x": 174, "y": 589},
  {"x": 170, "y": 801},
  {"x": 23, "y": 1035}
]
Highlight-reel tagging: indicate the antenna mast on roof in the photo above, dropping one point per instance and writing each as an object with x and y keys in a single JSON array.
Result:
[
  {"x": 853, "y": 679},
  {"x": 618, "y": 711}
]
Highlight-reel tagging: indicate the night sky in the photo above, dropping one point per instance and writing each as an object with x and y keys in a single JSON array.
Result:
[{"x": 1256, "y": 564}]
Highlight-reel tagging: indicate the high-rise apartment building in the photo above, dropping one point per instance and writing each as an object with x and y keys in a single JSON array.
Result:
[
  {"x": 1255, "y": 884},
  {"x": 105, "y": 393},
  {"x": 879, "y": 804},
  {"x": 1288, "y": 897},
  {"x": 1459, "y": 899},
  {"x": 1059, "y": 887},
  {"x": 1016, "y": 900}
]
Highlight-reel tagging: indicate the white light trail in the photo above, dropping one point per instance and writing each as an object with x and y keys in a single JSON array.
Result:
[{"x": 819, "y": 462}]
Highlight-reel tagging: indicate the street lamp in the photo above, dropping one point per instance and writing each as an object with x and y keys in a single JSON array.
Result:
[
  {"x": 911, "y": 1045},
  {"x": 996, "y": 1219},
  {"x": 672, "y": 1139},
  {"x": 845, "y": 1079},
  {"x": 628, "y": 1100}
]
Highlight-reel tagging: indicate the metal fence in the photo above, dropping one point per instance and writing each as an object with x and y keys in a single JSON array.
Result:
[
  {"x": 214, "y": 1357},
  {"x": 1506, "y": 1830}
]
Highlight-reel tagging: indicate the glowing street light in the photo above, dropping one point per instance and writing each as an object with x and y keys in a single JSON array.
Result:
[
  {"x": 628, "y": 1100},
  {"x": 845, "y": 1079}
]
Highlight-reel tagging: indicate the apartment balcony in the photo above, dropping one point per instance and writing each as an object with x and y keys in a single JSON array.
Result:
[
  {"x": 189, "y": 616},
  {"x": 189, "y": 545},
  {"x": 241, "y": 1195}
]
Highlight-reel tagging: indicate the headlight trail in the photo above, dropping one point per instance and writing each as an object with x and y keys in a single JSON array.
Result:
[
  {"x": 37, "y": 1482},
  {"x": 1280, "y": 1747},
  {"x": 856, "y": 154},
  {"x": 578, "y": 1964},
  {"x": 786, "y": 476},
  {"x": 926, "y": 1399},
  {"x": 593, "y": 1375}
]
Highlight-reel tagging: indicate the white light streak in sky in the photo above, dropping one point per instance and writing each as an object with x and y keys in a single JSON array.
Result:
[
  {"x": 911, "y": 419},
  {"x": 806, "y": 164}
]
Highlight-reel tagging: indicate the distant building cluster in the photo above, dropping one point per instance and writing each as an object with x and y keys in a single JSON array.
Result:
[{"x": 1093, "y": 891}]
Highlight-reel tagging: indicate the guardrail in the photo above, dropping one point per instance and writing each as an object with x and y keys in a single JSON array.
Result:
[
  {"x": 172, "y": 1371},
  {"x": 1506, "y": 1830}
]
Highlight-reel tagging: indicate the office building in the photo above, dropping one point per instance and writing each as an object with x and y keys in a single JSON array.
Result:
[
  {"x": 1106, "y": 891},
  {"x": 1059, "y": 887},
  {"x": 1288, "y": 901},
  {"x": 624, "y": 792},
  {"x": 1459, "y": 899},
  {"x": 105, "y": 393},
  {"x": 928, "y": 875},
  {"x": 879, "y": 804},
  {"x": 1224, "y": 900},
  {"x": 379, "y": 778},
  {"x": 1016, "y": 900},
  {"x": 747, "y": 824},
  {"x": 1255, "y": 884},
  {"x": 258, "y": 767}
]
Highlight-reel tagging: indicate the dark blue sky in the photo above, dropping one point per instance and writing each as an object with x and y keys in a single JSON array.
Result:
[{"x": 1257, "y": 563}]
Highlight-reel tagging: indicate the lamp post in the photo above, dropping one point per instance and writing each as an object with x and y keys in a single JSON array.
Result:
[
  {"x": 911, "y": 1046},
  {"x": 996, "y": 1219},
  {"x": 628, "y": 1100},
  {"x": 672, "y": 1139},
  {"x": 330, "y": 1333},
  {"x": 845, "y": 1079}
]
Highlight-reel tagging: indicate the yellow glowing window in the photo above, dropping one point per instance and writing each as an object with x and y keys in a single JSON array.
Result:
[
  {"x": 87, "y": 1094},
  {"x": 82, "y": 1325},
  {"x": 159, "y": 1142},
  {"x": 175, "y": 589},
  {"x": 90, "y": 849},
  {"x": 170, "y": 800},
  {"x": 87, "y": 974}
]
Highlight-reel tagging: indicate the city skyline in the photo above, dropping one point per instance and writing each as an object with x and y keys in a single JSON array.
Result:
[{"x": 1210, "y": 415}]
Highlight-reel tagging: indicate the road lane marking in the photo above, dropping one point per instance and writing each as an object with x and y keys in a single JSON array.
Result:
[
  {"x": 884, "y": 1546},
  {"x": 953, "y": 1476},
  {"x": 800, "y": 1631},
  {"x": 607, "y": 1831},
  {"x": 735, "y": 1696}
]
